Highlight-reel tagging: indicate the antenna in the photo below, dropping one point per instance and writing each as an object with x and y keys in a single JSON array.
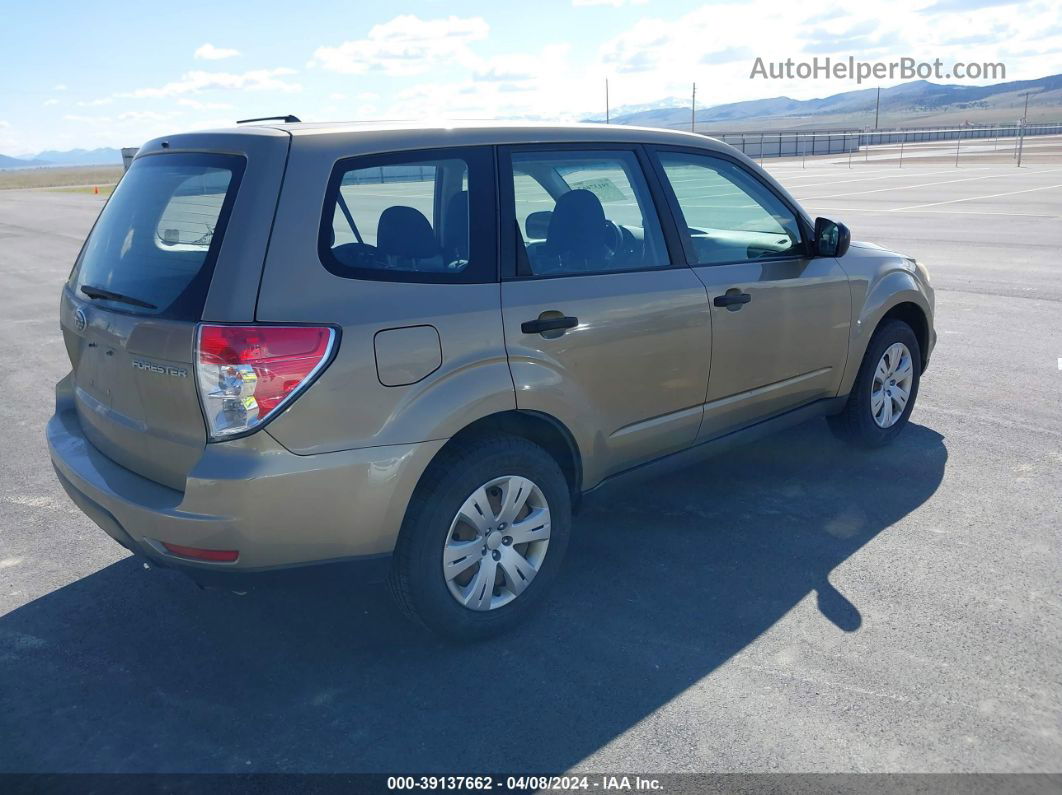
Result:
[{"x": 289, "y": 119}]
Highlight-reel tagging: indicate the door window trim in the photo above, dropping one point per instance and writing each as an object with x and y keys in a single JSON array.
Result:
[
  {"x": 511, "y": 254},
  {"x": 802, "y": 218},
  {"x": 482, "y": 213}
]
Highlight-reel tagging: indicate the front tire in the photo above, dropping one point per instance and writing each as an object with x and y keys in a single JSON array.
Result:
[
  {"x": 885, "y": 388},
  {"x": 483, "y": 538}
]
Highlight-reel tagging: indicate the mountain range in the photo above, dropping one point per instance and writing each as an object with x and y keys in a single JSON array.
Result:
[
  {"x": 917, "y": 103},
  {"x": 70, "y": 157}
]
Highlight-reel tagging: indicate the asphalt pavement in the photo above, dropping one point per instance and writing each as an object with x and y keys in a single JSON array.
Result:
[{"x": 791, "y": 606}]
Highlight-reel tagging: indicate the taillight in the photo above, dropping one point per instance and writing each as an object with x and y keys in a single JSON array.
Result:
[{"x": 247, "y": 373}]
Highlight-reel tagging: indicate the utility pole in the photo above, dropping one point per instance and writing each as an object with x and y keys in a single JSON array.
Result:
[
  {"x": 693, "y": 110},
  {"x": 877, "y": 106},
  {"x": 607, "y": 121},
  {"x": 1024, "y": 119}
]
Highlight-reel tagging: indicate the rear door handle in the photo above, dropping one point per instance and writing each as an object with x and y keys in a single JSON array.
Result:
[
  {"x": 732, "y": 298},
  {"x": 544, "y": 324}
]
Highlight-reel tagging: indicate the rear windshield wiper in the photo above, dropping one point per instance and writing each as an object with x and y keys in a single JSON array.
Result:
[{"x": 99, "y": 292}]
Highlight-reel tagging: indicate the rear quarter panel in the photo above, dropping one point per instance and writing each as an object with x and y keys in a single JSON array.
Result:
[{"x": 348, "y": 407}]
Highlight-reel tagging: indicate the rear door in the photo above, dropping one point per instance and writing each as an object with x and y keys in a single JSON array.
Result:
[
  {"x": 780, "y": 318},
  {"x": 603, "y": 329},
  {"x": 142, "y": 281}
]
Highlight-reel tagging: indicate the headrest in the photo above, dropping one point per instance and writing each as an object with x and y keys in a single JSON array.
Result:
[
  {"x": 405, "y": 232},
  {"x": 577, "y": 225}
]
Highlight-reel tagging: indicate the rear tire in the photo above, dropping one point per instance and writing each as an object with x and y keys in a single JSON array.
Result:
[
  {"x": 518, "y": 549},
  {"x": 874, "y": 414}
]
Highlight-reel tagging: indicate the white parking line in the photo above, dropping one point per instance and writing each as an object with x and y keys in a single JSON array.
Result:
[
  {"x": 923, "y": 184},
  {"x": 896, "y": 175},
  {"x": 973, "y": 198}
]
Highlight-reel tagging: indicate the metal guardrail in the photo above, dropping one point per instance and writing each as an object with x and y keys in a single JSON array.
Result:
[{"x": 792, "y": 143}]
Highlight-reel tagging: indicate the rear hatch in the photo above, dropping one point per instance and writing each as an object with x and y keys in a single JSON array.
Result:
[{"x": 181, "y": 240}]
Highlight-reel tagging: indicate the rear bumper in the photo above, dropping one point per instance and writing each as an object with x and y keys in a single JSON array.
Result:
[
  {"x": 279, "y": 510},
  {"x": 368, "y": 568}
]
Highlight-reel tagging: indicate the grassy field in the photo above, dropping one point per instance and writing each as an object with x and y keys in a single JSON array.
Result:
[{"x": 82, "y": 177}]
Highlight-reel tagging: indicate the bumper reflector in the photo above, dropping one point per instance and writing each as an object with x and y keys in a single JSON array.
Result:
[{"x": 212, "y": 555}]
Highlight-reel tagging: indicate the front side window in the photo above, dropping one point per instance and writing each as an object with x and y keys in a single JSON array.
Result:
[
  {"x": 157, "y": 238},
  {"x": 730, "y": 216},
  {"x": 406, "y": 218},
  {"x": 582, "y": 212}
]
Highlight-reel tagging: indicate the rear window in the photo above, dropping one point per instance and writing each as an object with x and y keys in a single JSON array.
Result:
[{"x": 156, "y": 240}]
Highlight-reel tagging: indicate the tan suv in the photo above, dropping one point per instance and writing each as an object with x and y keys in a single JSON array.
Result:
[{"x": 411, "y": 350}]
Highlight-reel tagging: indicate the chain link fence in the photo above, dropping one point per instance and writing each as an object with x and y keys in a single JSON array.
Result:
[{"x": 762, "y": 144}]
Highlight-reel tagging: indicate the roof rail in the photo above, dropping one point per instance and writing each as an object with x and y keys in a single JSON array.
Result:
[{"x": 289, "y": 119}]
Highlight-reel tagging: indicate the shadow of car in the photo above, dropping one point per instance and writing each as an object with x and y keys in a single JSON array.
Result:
[{"x": 127, "y": 670}]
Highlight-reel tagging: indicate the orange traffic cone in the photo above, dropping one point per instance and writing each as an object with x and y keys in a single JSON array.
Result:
[{"x": 95, "y": 190}]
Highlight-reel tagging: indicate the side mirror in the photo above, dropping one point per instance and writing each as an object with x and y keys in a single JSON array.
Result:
[
  {"x": 537, "y": 224},
  {"x": 831, "y": 238}
]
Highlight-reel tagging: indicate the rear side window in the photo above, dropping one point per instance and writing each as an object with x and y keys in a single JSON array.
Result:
[
  {"x": 420, "y": 216},
  {"x": 582, "y": 211},
  {"x": 157, "y": 239}
]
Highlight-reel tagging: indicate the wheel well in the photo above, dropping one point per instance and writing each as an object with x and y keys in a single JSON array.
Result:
[
  {"x": 545, "y": 431},
  {"x": 913, "y": 316}
]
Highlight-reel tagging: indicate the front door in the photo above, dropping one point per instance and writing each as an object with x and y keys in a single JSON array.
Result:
[
  {"x": 602, "y": 330},
  {"x": 780, "y": 318}
]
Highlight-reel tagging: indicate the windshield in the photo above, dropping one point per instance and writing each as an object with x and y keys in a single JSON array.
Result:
[{"x": 153, "y": 248}]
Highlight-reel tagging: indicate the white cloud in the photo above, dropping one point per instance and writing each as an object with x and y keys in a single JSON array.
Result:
[
  {"x": 48, "y": 102},
  {"x": 406, "y": 45},
  {"x": 208, "y": 52},
  {"x": 195, "y": 104},
  {"x": 59, "y": 87},
  {"x": 196, "y": 81},
  {"x": 93, "y": 103},
  {"x": 10, "y": 142},
  {"x": 81, "y": 119},
  {"x": 506, "y": 87},
  {"x": 713, "y": 45},
  {"x": 145, "y": 115},
  {"x": 716, "y": 46},
  {"x": 522, "y": 66},
  {"x": 613, "y": 3}
]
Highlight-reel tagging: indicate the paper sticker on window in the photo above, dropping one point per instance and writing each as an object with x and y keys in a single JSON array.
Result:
[{"x": 602, "y": 187}]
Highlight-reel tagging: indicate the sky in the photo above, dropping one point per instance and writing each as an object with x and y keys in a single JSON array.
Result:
[{"x": 103, "y": 73}]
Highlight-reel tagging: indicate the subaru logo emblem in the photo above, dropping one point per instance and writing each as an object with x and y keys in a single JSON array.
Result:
[{"x": 80, "y": 321}]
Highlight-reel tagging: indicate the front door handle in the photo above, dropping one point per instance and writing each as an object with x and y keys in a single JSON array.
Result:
[
  {"x": 544, "y": 324},
  {"x": 733, "y": 299}
]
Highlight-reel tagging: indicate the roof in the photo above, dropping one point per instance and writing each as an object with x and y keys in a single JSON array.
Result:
[
  {"x": 491, "y": 131},
  {"x": 351, "y": 139}
]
